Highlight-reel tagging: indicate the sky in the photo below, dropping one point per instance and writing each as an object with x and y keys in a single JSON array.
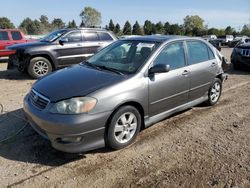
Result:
[{"x": 216, "y": 13}]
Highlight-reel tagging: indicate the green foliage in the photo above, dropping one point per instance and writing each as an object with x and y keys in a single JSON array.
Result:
[
  {"x": 246, "y": 30},
  {"x": 90, "y": 17},
  {"x": 5, "y": 23},
  {"x": 57, "y": 23},
  {"x": 31, "y": 27},
  {"x": 159, "y": 28},
  {"x": 111, "y": 25},
  {"x": 147, "y": 27},
  {"x": 229, "y": 30},
  {"x": 72, "y": 24},
  {"x": 117, "y": 29},
  {"x": 193, "y": 24},
  {"x": 137, "y": 29},
  {"x": 127, "y": 28}
]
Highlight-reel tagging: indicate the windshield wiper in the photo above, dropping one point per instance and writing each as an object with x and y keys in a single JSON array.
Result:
[{"x": 110, "y": 69}]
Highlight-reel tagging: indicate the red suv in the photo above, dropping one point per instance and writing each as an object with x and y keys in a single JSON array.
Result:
[{"x": 9, "y": 37}]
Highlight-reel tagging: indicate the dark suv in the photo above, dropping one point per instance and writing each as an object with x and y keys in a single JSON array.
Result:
[{"x": 58, "y": 49}]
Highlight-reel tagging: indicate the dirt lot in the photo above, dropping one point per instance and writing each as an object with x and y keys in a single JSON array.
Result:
[{"x": 201, "y": 147}]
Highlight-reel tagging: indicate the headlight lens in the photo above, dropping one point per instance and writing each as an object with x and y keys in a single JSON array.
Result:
[
  {"x": 74, "y": 106},
  {"x": 237, "y": 50}
]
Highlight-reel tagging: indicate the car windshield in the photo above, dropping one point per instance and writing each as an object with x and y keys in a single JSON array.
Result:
[
  {"x": 53, "y": 36},
  {"x": 124, "y": 56}
]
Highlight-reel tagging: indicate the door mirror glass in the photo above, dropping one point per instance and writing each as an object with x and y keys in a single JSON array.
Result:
[{"x": 159, "y": 68}]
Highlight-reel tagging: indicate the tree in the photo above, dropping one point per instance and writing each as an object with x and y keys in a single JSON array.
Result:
[
  {"x": 127, "y": 28},
  {"x": 137, "y": 29},
  {"x": 229, "y": 30},
  {"x": 167, "y": 28},
  {"x": 72, "y": 24},
  {"x": 159, "y": 28},
  {"x": 147, "y": 27},
  {"x": 193, "y": 23},
  {"x": 90, "y": 17},
  {"x": 246, "y": 30},
  {"x": 5, "y": 23},
  {"x": 57, "y": 23},
  {"x": 111, "y": 25},
  {"x": 31, "y": 27},
  {"x": 117, "y": 29}
]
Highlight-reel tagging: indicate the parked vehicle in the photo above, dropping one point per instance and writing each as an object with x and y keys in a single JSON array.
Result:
[
  {"x": 209, "y": 37},
  {"x": 59, "y": 49},
  {"x": 222, "y": 40},
  {"x": 9, "y": 37},
  {"x": 240, "y": 57},
  {"x": 108, "y": 99},
  {"x": 238, "y": 41}
]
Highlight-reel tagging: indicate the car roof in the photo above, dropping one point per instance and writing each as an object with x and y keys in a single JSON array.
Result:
[
  {"x": 85, "y": 28},
  {"x": 157, "y": 38}
]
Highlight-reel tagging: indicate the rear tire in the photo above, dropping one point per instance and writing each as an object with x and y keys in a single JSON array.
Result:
[
  {"x": 123, "y": 127},
  {"x": 39, "y": 67},
  {"x": 214, "y": 92}
]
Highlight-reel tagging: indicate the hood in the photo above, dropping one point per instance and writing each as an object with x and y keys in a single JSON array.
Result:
[
  {"x": 27, "y": 45},
  {"x": 75, "y": 81}
]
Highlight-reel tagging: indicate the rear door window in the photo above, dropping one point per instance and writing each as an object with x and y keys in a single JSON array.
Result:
[
  {"x": 16, "y": 35},
  {"x": 197, "y": 52},
  {"x": 104, "y": 36},
  {"x": 4, "y": 35},
  {"x": 91, "y": 36}
]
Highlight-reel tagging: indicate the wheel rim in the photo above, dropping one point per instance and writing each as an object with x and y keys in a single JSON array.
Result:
[
  {"x": 125, "y": 127},
  {"x": 41, "y": 68},
  {"x": 215, "y": 92}
]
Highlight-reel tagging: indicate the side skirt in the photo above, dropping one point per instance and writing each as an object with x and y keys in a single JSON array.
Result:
[{"x": 154, "y": 119}]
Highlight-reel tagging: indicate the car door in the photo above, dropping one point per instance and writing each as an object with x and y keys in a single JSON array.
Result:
[
  {"x": 169, "y": 90},
  {"x": 17, "y": 37},
  {"x": 203, "y": 67},
  {"x": 71, "y": 50}
]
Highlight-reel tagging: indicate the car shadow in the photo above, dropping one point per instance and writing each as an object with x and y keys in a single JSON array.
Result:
[
  {"x": 13, "y": 74},
  {"x": 19, "y": 142}
]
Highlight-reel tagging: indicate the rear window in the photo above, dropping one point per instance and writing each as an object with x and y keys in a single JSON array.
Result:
[
  {"x": 105, "y": 36},
  {"x": 4, "y": 35},
  {"x": 91, "y": 36},
  {"x": 16, "y": 35},
  {"x": 197, "y": 52}
]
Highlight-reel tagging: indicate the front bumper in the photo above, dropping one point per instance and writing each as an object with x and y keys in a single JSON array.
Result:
[
  {"x": 237, "y": 59},
  {"x": 68, "y": 133}
]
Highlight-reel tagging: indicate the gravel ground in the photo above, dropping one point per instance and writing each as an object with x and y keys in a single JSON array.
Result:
[{"x": 201, "y": 147}]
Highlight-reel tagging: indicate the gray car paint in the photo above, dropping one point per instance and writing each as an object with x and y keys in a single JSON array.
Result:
[{"x": 141, "y": 90}]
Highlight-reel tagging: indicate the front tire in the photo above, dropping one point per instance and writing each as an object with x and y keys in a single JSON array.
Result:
[
  {"x": 38, "y": 67},
  {"x": 214, "y": 92},
  {"x": 123, "y": 128}
]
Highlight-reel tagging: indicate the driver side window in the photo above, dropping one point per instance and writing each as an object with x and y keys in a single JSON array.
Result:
[
  {"x": 173, "y": 55},
  {"x": 73, "y": 37}
]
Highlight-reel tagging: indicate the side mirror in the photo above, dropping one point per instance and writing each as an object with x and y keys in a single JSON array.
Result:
[
  {"x": 160, "y": 68},
  {"x": 63, "y": 40}
]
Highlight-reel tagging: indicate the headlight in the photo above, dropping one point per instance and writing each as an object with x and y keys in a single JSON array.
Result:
[
  {"x": 74, "y": 106},
  {"x": 237, "y": 50}
]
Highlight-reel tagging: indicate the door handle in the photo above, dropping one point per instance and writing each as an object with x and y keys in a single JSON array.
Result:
[
  {"x": 185, "y": 73},
  {"x": 79, "y": 45}
]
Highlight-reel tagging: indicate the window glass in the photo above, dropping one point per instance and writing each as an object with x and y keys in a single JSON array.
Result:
[
  {"x": 105, "y": 36},
  {"x": 75, "y": 36},
  {"x": 91, "y": 36},
  {"x": 210, "y": 53},
  {"x": 172, "y": 55},
  {"x": 197, "y": 52},
  {"x": 4, "y": 35},
  {"x": 124, "y": 56},
  {"x": 16, "y": 35}
]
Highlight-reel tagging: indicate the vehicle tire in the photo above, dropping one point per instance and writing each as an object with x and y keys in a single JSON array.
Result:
[
  {"x": 38, "y": 67},
  {"x": 123, "y": 127},
  {"x": 214, "y": 92}
]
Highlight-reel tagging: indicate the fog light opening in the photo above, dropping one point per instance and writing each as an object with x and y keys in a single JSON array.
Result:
[{"x": 69, "y": 140}]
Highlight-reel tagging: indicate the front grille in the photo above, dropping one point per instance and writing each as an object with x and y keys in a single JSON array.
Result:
[
  {"x": 245, "y": 52},
  {"x": 38, "y": 100}
]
